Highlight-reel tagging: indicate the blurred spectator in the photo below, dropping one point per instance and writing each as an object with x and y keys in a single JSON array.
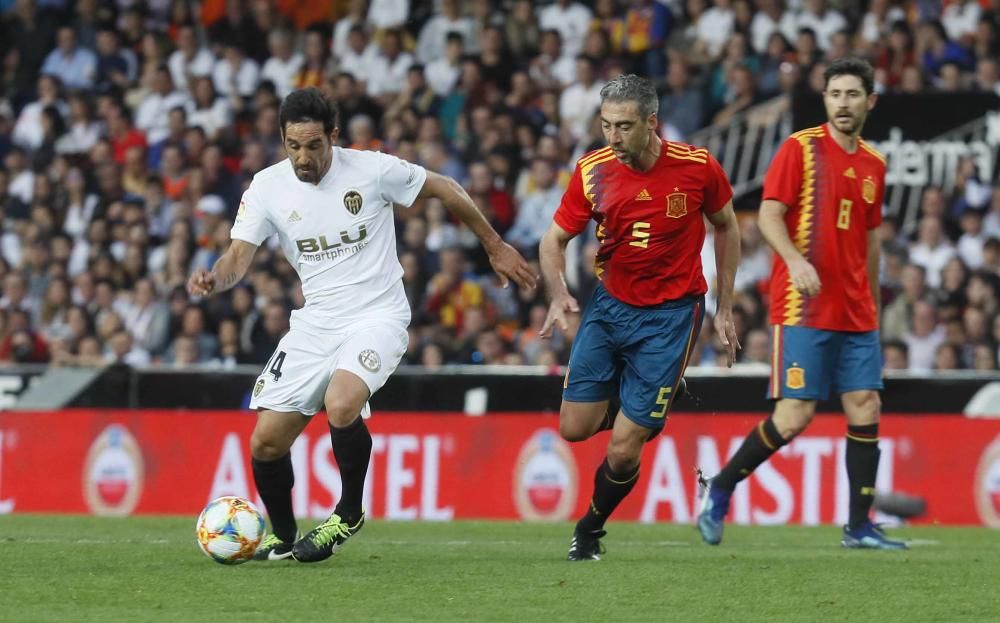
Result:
[
  {"x": 817, "y": 17},
  {"x": 75, "y": 67},
  {"x": 271, "y": 327},
  {"x": 924, "y": 338},
  {"x": 122, "y": 351},
  {"x": 435, "y": 32},
  {"x": 521, "y": 30},
  {"x": 29, "y": 131},
  {"x": 895, "y": 355},
  {"x": 571, "y": 20},
  {"x": 450, "y": 293},
  {"x": 932, "y": 250},
  {"x": 534, "y": 214},
  {"x": 358, "y": 57},
  {"x": 283, "y": 65},
  {"x": 234, "y": 74},
  {"x": 153, "y": 115},
  {"x": 389, "y": 67},
  {"x": 581, "y": 99},
  {"x": 189, "y": 60}
]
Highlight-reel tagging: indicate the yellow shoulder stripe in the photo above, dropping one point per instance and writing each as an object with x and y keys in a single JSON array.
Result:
[
  {"x": 872, "y": 151},
  {"x": 594, "y": 155}
]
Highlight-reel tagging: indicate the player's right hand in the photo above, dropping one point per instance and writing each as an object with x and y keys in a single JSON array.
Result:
[
  {"x": 559, "y": 311},
  {"x": 804, "y": 277},
  {"x": 201, "y": 283}
]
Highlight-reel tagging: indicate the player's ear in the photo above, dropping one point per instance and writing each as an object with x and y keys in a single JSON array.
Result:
[
  {"x": 872, "y": 98},
  {"x": 333, "y": 135}
]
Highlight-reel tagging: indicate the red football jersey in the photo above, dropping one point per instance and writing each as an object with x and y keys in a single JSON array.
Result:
[
  {"x": 649, "y": 225},
  {"x": 833, "y": 199}
]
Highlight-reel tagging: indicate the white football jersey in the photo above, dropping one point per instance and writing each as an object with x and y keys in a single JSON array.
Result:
[{"x": 338, "y": 234}]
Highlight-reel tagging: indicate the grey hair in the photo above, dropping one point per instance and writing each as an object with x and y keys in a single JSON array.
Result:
[{"x": 632, "y": 88}]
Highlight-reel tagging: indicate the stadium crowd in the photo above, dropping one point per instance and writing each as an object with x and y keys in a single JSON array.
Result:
[{"x": 129, "y": 129}]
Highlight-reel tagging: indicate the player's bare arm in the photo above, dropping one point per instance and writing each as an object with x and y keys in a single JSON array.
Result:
[
  {"x": 874, "y": 258},
  {"x": 505, "y": 259},
  {"x": 552, "y": 256},
  {"x": 727, "y": 258},
  {"x": 226, "y": 273},
  {"x": 771, "y": 221}
]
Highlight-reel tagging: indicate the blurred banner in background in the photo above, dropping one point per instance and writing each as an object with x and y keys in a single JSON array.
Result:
[{"x": 438, "y": 467}]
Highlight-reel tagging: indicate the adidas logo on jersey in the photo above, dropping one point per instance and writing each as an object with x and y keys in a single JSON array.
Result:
[
  {"x": 294, "y": 217},
  {"x": 644, "y": 196},
  {"x": 850, "y": 173}
]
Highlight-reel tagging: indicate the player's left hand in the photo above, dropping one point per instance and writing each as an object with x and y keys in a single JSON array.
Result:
[
  {"x": 508, "y": 264},
  {"x": 726, "y": 329}
]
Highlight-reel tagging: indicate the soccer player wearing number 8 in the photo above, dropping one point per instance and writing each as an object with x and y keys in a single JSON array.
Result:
[
  {"x": 822, "y": 202},
  {"x": 650, "y": 199},
  {"x": 332, "y": 211}
]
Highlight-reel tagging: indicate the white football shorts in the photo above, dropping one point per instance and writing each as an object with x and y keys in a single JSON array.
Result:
[{"x": 298, "y": 373}]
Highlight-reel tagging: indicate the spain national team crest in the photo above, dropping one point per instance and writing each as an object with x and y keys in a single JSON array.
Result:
[
  {"x": 677, "y": 205},
  {"x": 868, "y": 189},
  {"x": 795, "y": 378},
  {"x": 353, "y": 201}
]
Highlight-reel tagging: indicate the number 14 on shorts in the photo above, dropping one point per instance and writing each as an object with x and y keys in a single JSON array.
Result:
[{"x": 275, "y": 364}]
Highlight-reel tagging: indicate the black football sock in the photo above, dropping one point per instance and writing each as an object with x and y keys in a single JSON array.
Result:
[
  {"x": 610, "y": 489},
  {"x": 862, "y": 465},
  {"x": 274, "y": 480},
  {"x": 763, "y": 441},
  {"x": 352, "y": 447}
]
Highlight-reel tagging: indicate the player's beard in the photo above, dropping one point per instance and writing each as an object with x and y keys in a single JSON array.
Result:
[
  {"x": 305, "y": 175},
  {"x": 849, "y": 124}
]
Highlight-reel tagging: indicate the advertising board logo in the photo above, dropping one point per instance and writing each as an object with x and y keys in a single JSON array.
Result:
[
  {"x": 987, "y": 489},
  {"x": 545, "y": 478},
  {"x": 113, "y": 473}
]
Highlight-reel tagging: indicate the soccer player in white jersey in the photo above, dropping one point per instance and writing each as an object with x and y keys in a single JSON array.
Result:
[{"x": 332, "y": 211}]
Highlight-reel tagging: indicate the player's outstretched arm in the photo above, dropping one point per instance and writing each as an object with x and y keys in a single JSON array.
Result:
[
  {"x": 727, "y": 258},
  {"x": 552, "y": 257},
  {"x": 226, "y": 273},
  {"x": 505, "y": 259},
  {"x": 771, "y": 221}
]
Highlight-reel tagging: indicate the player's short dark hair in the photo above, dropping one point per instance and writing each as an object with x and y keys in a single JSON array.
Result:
[
  {"x": 851, "y": 66},
  {"x": 308, "y": 104}
]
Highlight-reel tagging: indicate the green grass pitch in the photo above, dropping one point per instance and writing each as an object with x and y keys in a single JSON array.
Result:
[{"x": 63, "y": 568}]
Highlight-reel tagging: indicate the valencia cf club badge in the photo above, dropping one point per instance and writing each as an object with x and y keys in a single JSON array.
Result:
[
  {"x": 868, "y": 190},
  {"x": 677, "y": 205},
  {"x": 353, "y": 201},
  {"x": 258, "y": 388}
]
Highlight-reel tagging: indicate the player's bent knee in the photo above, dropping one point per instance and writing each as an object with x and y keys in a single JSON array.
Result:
[
  {"x": 342, "y": 413},
  {"x": 863, "y": 407},
  {"x": 265, "y": 448},
  {"x": 793, "y": 417},
  {"x": 571, "y": 429},
  {"x": 623, "y": 455}
]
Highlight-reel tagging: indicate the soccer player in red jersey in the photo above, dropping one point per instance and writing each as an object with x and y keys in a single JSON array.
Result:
[
  {"x": 650, "y": 198},
  {"x": 821, "y": 205}
]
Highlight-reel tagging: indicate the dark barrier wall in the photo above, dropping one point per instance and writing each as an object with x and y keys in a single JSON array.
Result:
[
  {"x": 923, "y": 117},
  {"x": 409, "y": 390}
]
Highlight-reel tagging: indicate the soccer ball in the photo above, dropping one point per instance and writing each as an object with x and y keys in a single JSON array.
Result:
[{"x": 229, "y": 530}]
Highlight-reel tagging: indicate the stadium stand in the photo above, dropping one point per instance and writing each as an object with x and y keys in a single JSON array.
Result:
[{"x": 128, "y": 131}]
